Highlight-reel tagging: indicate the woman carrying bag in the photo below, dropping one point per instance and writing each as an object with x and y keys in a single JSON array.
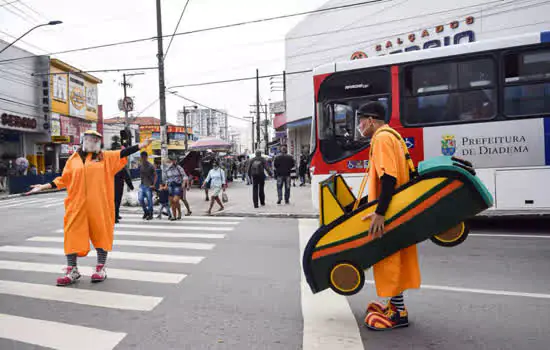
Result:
[{"x": 218, "y": 183}]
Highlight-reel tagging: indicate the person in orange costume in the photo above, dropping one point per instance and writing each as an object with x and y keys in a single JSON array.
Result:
[
  {"x": 89, "y": 206},
  {"x": 388, "y": 169}
]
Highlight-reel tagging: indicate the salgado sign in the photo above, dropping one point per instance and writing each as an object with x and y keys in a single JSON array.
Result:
[{"x": 487, "y": 145}]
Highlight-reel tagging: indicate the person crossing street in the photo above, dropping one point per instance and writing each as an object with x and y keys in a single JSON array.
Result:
[
  {"x": 256, "y": 172},
  {"x": 89, "y": 208}
]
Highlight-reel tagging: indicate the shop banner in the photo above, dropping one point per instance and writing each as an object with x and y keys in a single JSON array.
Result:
[
  {"x": 55, "y": 122},
  {"x": 91, "y": 101},
  {"x": 77, "y": 97}
]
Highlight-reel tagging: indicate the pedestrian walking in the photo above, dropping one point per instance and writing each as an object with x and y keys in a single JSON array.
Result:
[
  {"x": 218, "y": 183},
  {"x": 121, "y": 177},
  {"x": 206, "y": 166},
  {"x": 89, "y": 207},
  {"x": 148, "y": 175},
  {"x": 302, "y": 169},
  {"x": 283, "y": 165},
  {"x": 387, "y": 170},
  {"x": 256, "y": 171},
  {"x": 164, "y": 201},
  {"x": 174, "y": 176}
]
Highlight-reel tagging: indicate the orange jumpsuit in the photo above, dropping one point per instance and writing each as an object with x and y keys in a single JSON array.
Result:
[
  {"x": 399, "y": 271},
  {"x": 89, "y": 206}
]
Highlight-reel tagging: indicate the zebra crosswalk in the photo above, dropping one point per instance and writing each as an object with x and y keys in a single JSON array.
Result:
[
  {"x": 56, "y": 200},
  {"x": 162, "y": 254}
]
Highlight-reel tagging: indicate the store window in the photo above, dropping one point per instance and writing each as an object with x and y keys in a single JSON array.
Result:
[
  {"x": 527, "y": 83},
  {"x": 450, "y": 92}
]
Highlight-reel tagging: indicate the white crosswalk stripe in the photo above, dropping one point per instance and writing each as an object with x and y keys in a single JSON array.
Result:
[
  {"x": 55, "y": 335},
  {"x": 207, "y": 218},
  {"x": 184, "y": 221},
  {"x": 132, "y": 275},
  {"x": 152, "y": 238},
  {"x": 174, "y": 227},
  {"x": 152, "y": 244},
  {"x": 80, "y": 296},
  {"x": 165, "y": 235},
  {"x": 165, "y": 258}
]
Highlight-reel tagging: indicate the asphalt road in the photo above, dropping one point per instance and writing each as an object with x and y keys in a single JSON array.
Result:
[{"x": 235, "y": 283}]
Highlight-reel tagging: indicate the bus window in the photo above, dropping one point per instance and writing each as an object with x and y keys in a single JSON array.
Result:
[
  {"x": 527, "y": 83},
  {"x": 451, "y": 92}
]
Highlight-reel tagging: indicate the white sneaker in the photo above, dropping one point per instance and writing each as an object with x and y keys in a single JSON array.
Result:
[
  {"x": 71, "y": 276},
  {"x": 100, "y": 274}
]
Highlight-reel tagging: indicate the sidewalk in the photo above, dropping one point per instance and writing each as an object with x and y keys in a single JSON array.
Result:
[{"x": 240, "y": 202}]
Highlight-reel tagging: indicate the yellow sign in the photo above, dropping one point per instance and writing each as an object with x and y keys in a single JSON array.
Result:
[{"x": 61, "y": 139}]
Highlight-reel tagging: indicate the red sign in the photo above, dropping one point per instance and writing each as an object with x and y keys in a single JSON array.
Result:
[
  {"x": 73, "y": 127},
  {"x": 16, "y": 121},
  {"x": 170, "y": 129}
]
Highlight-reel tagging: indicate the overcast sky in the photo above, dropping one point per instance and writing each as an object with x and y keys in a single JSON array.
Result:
[{"x": 216, "y": 55}]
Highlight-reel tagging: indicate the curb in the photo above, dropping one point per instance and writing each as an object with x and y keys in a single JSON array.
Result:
[{"x": 16, "y": 195}]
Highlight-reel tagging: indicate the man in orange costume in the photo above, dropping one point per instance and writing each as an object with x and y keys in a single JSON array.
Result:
[
  {"x": 89, "y": 207},
  {"x": 388, "y": 170}
]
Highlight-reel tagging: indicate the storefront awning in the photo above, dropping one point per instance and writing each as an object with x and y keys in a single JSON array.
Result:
[{"x": 299, "y": 123}]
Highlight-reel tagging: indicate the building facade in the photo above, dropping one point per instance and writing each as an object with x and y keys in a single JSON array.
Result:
[
  {"x": 24, "y": 107},
  {"x": 74, "y": 108},
  {"x": 206, "y": 122}
]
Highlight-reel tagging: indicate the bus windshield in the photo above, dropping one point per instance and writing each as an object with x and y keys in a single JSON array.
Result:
[{"x": 341, "y": 97}]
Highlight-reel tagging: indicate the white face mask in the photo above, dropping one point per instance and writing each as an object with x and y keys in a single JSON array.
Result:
[{"x": 91, "y": 144}]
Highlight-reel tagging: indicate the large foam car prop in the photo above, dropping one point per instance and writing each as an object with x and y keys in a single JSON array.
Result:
[{"x": 433, "y": 205}]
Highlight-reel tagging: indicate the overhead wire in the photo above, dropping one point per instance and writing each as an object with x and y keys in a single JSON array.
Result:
[
  {"x": 239, "y": 79},
  {"x": 232, "y": 25},
  {"x": 175, "y": 30},
  {"x": 207, "y": 107},
  {"x": 97, "y": 71}
]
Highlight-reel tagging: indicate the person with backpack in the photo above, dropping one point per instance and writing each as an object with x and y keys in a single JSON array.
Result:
[
  {"x": 388, "y": 169},
  {"x": 256, "y": 172},
  {"x": 284, "y": 163}
]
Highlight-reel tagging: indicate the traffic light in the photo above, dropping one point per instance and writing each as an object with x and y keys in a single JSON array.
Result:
[{"x": 125, "y": 137}]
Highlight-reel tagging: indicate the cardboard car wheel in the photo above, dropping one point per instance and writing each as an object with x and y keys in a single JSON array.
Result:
[
  {"x": 453, "y": 236},
  {"x": 346, "y": 278}
]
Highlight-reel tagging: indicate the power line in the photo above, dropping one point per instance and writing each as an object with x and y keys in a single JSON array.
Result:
[
  {"x": 210, "y": 108},
  {"x": 9, "y": 3},
  {"x": 96, "y": 71},
  {"x": 239, "y": 79},
  {"x": 15, "y": 13},
  {"x": 341, "y": 7},
  {"x": 175, "y": 30},
  {"x": 18, "y": 103}
]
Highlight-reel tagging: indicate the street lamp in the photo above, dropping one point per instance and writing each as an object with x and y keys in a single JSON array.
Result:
[
  {"x": 50, "y": 23},
  {"x": 185, "y": 122}
]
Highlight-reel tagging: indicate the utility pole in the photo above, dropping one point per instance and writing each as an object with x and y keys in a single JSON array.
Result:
[
  {"x": 162, "y": 92},
  {"x": 258, "y": 106},
  {"x": 125, "y": 85},
  {"x": 266, "y": 132},
  {"x": 185, "y": 123}
]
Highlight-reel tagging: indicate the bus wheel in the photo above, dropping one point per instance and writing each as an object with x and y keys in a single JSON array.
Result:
[
  {"x": 453, "y": 236},
  {"x": 346, "y": 278}
]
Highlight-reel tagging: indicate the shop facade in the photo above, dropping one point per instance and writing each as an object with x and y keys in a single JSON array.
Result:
[
  {"x": 74, "y": 109},
  {"x": 24, "y": 117}
]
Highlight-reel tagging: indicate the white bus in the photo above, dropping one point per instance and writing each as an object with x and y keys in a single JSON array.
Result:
[{"x": 485, "y": 101}]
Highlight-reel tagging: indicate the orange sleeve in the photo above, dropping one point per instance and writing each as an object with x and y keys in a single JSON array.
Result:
[
  {"x": 65, "y": 179},
  {"x": 114, "y": 162},
  {"x": 384, "y": 157}
]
